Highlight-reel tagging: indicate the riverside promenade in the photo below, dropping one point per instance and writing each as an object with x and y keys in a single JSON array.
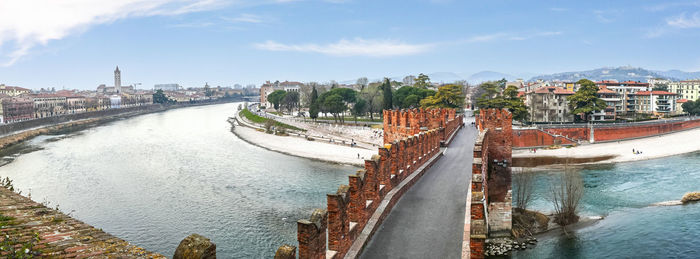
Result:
[
  {"x": 428, "y": 220},
  {"x": 30, "y": 228}
]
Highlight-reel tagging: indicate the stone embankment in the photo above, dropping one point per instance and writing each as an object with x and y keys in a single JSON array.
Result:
[
  {"x": 296, "y": 144},
  {"x": 30, "y": 228},
  {"x": 356, "y": 210},
  {"x": 15, "y": 133}
]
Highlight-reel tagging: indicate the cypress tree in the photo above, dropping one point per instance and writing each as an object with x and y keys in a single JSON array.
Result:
[
  {"x": 313, "y": 106},
  {"x": 386, "y": 87}
]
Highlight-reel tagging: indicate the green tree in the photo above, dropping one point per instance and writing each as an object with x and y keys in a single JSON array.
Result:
[
  {"x": 359, "y": 108},
  {"x": 314, "y": 106},
  {"x": 386, "y": 92},
  {"x": 335, "y": 105},
  {"x": 159, "y": 97},
  {"x": 409, "y": 97},
  {"x": 660, "y": 87},
  {"x": 291, "y": 100},
  {"x": 585, "y": 101},
  {"x": 276, "y": 98},
  {"x": 346, "y": 95},
  {"x": 422, "y": 81},
  {"x": 507, "y": 99},
  {"x": 447, "y": 96},
  {"x": 692, "y": 107}
]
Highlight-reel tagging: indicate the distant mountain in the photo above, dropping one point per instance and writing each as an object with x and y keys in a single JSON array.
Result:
[
  {"x": 445, "y": 77},
  {"x": 679, "y": 74},
  {"x": 620, "y": 74},
  {"x": 484, "y": 76}
]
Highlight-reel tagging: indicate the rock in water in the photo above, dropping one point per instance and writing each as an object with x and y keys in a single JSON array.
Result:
[
  {"x": 195, "y": 247},
  {"x": 286, "y": 252},
  {"x": 691, "y": 196}
]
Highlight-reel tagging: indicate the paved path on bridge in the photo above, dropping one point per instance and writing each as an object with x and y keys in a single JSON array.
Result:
[{"x": 428, "y": 220}]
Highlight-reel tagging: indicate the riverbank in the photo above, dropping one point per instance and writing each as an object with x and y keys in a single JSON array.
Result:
[
  {"x": 315, "y": 149},
  {"x": 616, "y": 152},
  {"x": 628, "y": 197},
  {"x": 13, "y": 138}
]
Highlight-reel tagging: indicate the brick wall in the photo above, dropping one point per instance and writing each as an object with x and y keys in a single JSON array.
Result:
[
  {"x": 398, "y": 164},
  {"x": 538, "y": 138},
  {"x": 491, "y": 194},
  {"x": 601, "y": 133},
  {"x": 399, "y": 124}
]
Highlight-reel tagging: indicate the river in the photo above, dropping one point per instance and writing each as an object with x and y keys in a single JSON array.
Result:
[
  {"x": 622, "y": 193},
  {"x": 154, "y": 179}
]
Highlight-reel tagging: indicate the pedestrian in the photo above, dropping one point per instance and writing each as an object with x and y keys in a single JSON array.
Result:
[{"x": 358, "y": 155}]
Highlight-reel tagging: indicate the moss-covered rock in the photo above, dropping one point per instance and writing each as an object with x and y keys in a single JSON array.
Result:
[
  {"x": 195, "y": 247},
  {"x": 690, "y": 197}
]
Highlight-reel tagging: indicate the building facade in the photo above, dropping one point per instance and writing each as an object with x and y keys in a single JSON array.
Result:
[
  {"x": 46, "y": 105},
  {"x": 688, "y": 89},
  {"x": 549, "y": 104},
  {"x": 16, "y": 109},
  {"x": 658, "y": 103},
  {"x": 627, "y": 91},
  {"x": 13, "y": 90},
  {"x": 614, "y": 106}
]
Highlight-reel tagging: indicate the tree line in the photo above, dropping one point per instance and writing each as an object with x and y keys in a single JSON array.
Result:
[{"x": 369, "y": 99}]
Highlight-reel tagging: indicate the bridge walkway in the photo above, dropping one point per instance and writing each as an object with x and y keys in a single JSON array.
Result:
[{"x": 428, "y": 221}]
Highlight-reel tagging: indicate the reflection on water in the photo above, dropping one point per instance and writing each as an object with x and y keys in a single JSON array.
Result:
[
  {"x": 156, "y": 178},
  {"x": 632, "y": 228}
]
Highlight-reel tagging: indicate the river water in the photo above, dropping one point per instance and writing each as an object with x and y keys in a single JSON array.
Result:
[
  {"x": 154, "y": 179},
  {"x": 631, "y": 228}
]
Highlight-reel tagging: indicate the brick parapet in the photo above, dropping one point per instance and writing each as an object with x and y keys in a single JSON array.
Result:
[
  {"x": 349, "y": 209},
  {"x": 489, "y": 204},
  {"x": 601, "y": 133},
  {"x": 60, "y": 236},
  {"x": 399, "y": 124}
]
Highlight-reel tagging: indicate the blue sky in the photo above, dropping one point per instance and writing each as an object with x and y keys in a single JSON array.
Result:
[{"x": 77, "y": 43}]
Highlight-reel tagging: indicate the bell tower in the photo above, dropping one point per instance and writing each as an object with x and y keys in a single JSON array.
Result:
[{"x": 117, "y": 80}]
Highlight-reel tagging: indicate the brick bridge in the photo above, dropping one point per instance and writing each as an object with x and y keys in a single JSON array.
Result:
[{"x": 447, "y": 214}]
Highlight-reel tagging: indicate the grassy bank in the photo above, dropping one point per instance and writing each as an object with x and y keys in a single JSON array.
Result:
[
  {"x": 262, "y": 120},
  {"x": 352, "y": 119}
]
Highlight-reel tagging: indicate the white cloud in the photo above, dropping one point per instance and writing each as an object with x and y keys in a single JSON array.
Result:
[
  {"x": 558, "y": 9},
  {"x": 684, "y": 21},
  {"x": 26, "y": 24},
  {"x": 245, "y": 18},
  {"x": 508, "y": 36},
  {"x": 606, "y": 16},
  {"x": 354, "y": 47}
]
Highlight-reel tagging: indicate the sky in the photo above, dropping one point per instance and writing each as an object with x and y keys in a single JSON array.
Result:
[{"x": 76, "y": 44}]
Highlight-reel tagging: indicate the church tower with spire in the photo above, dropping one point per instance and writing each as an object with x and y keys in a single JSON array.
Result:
[{"x": 117, "y": 80}]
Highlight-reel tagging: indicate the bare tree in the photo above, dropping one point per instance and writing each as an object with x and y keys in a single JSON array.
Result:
[
  {"x": 373, "y": 96},
  {"x": 409, "y": 80},
  {"x": 524, "y": 182},
  {"x": 566, "y": 194},
  {"x": 305, "y": 93},
  {"x": 362, "y": 82}
]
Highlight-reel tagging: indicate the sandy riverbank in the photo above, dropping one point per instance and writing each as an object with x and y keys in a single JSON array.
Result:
[
  {"x": 651, "y": 147},
  {"x": 297, "y": 146}
]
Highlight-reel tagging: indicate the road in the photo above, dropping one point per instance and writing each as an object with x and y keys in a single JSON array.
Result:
[{"x": 428, "y": 220}]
